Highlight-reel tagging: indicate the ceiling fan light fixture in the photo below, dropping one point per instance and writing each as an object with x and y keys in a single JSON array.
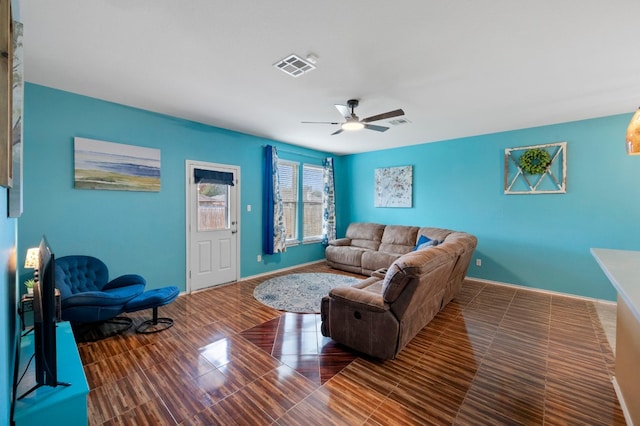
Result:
[{"x": 352, "y": 124}]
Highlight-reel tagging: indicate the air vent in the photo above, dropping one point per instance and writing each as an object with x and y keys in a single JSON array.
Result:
[
  {"x": 399, "y": 121},
  {"x": 294, "y": 65}
]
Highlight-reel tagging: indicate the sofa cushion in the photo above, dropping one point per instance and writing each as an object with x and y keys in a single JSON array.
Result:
[
  {"x": 365, "y": 235},
  {"x": 371, "y": 284},
  {"x": 345, "y": 255},
  {"x": 393, "y": 283},
  {"x": 398, "y": 239},
  {"x": 374, "y": 260}
]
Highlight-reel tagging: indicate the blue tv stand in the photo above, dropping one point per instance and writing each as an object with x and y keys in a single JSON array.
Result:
[{"x": 60, "y": 405}]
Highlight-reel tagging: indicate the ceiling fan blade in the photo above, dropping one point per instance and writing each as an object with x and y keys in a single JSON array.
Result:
[
  {"x": 376, "y": 128},
  {"x": 336, "y": 132},
  {"x": 319, "y": 122},
  {"x": 343, "y": 110},
  {"x": 389, "y": 114}
]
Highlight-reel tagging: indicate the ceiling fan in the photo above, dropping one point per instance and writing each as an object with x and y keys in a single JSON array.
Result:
[{"x": 354, "y": 123}]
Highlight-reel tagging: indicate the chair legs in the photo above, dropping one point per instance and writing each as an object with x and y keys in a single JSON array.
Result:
[
  {"x": 153, "y": 299},
  {"x": 94, "y": 331},
  {"x": 155, "y": 324}
]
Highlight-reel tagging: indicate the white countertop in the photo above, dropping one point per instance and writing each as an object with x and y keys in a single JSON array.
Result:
[{"x": 622, "y": 267}]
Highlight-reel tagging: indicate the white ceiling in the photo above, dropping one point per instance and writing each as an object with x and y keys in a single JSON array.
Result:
[{"x": 457, "y": 67}]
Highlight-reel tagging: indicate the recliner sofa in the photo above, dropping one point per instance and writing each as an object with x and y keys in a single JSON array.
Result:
[
  {"x": 380, "y": 315},
  {"x": 368, "y": 247}
]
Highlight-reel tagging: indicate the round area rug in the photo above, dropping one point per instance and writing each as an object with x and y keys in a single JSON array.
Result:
[{"x": 300, "y": 293}]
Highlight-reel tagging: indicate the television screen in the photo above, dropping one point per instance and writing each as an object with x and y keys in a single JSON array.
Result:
[{"x": 44, "y": 319}]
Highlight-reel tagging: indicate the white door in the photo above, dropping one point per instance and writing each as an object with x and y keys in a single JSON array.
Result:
[{"x": 212, "y": 224}]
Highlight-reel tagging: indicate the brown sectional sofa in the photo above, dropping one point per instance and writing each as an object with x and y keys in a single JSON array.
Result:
[
  {"x": 368, "y": 247},
  {"x": 380, "y": 315}
]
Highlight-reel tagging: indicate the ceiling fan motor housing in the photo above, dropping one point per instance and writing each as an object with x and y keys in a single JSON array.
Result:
[{"x": 354, "y": 123}]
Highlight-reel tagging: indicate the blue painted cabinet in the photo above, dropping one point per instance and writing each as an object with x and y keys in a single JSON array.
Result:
[{"x": 60, "y": 405}]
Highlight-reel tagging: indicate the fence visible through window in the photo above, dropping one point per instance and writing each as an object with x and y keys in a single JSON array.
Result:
[{"x": 213, "y": 206}]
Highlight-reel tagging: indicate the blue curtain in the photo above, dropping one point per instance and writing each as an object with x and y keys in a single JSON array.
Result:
[
  {"x": 274, "y": 237},
  {"x": 328, "y": 202}
]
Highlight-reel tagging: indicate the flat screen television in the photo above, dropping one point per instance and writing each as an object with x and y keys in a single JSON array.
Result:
[{"x": 44, "y": 319}]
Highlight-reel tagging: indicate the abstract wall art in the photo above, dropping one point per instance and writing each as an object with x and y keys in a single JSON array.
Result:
[{"x": 393, "y": 186}]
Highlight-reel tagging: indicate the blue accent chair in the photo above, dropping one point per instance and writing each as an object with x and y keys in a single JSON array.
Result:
[{"x": 87, "y": 295}]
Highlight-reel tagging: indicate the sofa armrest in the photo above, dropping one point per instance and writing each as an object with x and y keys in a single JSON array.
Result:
[
  {"x": 380, "y": 273},
  {"x": 340, "y": 242},
  {"x": 358, "y": 298}
]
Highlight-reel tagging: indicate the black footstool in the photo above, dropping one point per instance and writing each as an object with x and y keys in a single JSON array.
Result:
[{"x": 153, "y": 299}]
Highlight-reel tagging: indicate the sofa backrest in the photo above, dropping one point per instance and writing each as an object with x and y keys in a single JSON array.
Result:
[
  {"x": 455, "y": 249},
  {"x": 438, "y": 234},
  {"x": 398, "y": 239},
  {"x": 365, "y": 235},
  {"x": 415, "y": 264},
  {"x": 464, "y": 244}
]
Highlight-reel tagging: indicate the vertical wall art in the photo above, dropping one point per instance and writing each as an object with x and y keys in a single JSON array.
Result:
[
  {"x": 114, "y": 166},
  {"x": 536, "y": 169},
  {"x": 15, "y": 192},
  {"x": 393, "y": 186}
]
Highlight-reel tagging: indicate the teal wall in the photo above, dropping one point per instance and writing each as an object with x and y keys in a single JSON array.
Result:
[
  {"x": 8, "y": 307},
  {"x": 9, "y": 329},
  {"x": 137, "y": 232},
  {"x": 539, "y": 241}
]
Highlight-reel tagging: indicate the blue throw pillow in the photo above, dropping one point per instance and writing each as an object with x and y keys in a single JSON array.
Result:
[{"x": 423, "y": 242}]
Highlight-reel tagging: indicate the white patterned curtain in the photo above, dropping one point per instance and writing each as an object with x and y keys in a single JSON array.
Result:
[
  {"x": 274, "y": 237},
  {"x": 328, "y": 202}
]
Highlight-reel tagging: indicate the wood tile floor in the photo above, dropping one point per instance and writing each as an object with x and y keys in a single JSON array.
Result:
[{"x": 495, "y": 355}]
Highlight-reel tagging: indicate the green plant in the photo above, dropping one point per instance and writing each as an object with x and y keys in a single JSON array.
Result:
[
  {"x": 535, "y": 161},
  {"x": 29, "y": 283}
]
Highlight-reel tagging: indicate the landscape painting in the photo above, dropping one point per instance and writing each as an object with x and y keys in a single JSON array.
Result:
[{"x": 115, "y": 166}]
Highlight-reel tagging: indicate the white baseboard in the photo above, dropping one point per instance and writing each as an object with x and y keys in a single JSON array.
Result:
[
  {"x": 479, "y": 280},
  {"x": 623, "y": 405},
  {"x": 539, "y": 290},
  {"x": 280, "y": 270}
]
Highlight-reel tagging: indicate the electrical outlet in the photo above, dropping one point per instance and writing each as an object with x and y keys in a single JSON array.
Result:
[
  {"x": 478, "y": 262},
  {"x": 259, "y": 258}
]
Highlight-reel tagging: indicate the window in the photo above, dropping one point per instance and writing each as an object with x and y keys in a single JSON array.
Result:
[
  {"x": 213, "y": 206},
  {"x": 310, "y": 196},
  {"x": 288, "y": 180},
  {"x": 312, "y": 186}
]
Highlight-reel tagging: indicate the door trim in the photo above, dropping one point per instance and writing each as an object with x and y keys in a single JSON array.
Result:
[{"x": 189, "y": 166}]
